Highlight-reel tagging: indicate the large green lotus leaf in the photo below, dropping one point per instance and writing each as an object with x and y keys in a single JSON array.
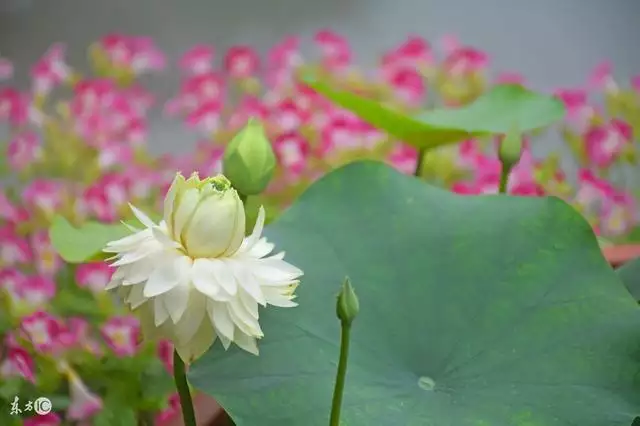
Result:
[
  {"x": 497, "y": 111},
  {"x": 629, "y": 273},
  {"x": 475, "y": 311}
]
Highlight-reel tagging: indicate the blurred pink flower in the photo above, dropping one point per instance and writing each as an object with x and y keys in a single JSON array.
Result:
[
  {"x": 12, "y": 280},
  {"x": 464, "y": 61},
  {"x": 51, "y": 70},
  {"x": 48, "y": 262},
  {"x": 340, "y": 133},
  {"x": 42, "y": 329},
  {"x": 414, "y": 52},
  {"x": 197, "y": 60},
  {"x": 449, "y": 43},
  {"x": 6, "y": 69},
  {"x": 591, "y": 190},
  {"x": 241, "y": 61},
  {"x": 165, "y": 353},
  {"x": 137, "y": 53},
  {"x": 43, "y": 194},
  {"x": 619, "y": 213},
  {"x": 404, "y": 158},
  {"x": 8, "y": 211},
  {"x": 249, "y": 106},
  {"x": 601, "y": 78},
  {"x": 92, "y": 95},
  {"x": 36, "y": 290},
  {"x": 282, "y": 61},
  {"x": 49, "y": 419},
  {"x": 114, "y": 154},
  {"x": 408, "y": 85},
  {"x": 292, "y": 151},
  {"x": 335, "y": 50},
  {"x": 75, "y": 333},
  {"x": 121, "y": 335},
  {"x": 146, "y": 56},
  {"x": 287, "y": 116},
  {"x": 635, "y": 83},
  {"x": 579, "y": 112},
  {"x": 605, "y": 143},
  {"x": 14, "y": 106},
  {"x": 18, "y": 363},
  {"x": 172, "y": 409},
  {"x": 118, "y": 49},
  {"x": 95, "y": 276},
  {"x": 14, "y": 249},
  {"x": 84, "y": 403},
  {"x": 205, "y": 118}
]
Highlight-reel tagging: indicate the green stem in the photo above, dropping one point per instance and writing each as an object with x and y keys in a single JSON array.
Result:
[
  {"x": 504, "y": 180},
  {"x": 180, "y": 377},
  {"x": 420, "y": 162},
  {"x": 338, "y": 390}
]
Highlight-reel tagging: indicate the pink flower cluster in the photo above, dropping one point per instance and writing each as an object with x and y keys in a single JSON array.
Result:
[{"x": 85, "y": 157}]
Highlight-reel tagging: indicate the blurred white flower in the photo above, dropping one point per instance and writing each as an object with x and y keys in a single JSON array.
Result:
[{"x": 195, "y": 276}]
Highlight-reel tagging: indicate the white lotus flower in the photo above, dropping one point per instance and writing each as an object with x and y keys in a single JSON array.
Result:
[{"x": 194, "y": 277}]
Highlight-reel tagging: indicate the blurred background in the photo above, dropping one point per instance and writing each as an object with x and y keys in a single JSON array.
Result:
[
  {"x": 552, "y": 43},
  {"x": 101, "y": 102}
]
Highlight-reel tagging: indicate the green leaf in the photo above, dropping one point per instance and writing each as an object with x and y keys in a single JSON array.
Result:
[
  {"x": 497, "y": 111},
  {"x": 629, "y": 273},
  {"x": 83, "y": 244},
  {"x": 511, "y": 312},
  {"x": 78, "y": 245},
  {"x": 494, "y": 112}
]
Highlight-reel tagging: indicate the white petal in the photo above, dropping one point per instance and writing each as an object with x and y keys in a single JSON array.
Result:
[
  {"x": 143, "y": 218},
  {"x": 115, "y": 282},
  {"x": 252, "y": 239},
  {"x": 146, "y": 249},
  {"x": 246, "y": 279},
  {"x": 261, "y": 248},
  {"x": 129, "y": 242},
  {"x": 189, "y": 322},
  {"x": 243, "y": 319},
  {"x": 136, "y": 297},
  {"x": 169, "y": 200},
  {"x": 219, "y": 316},
  {"x": 274, "y": 270},
  {"x": 201, "y": 342},
  {"x": 160, "y": 313},
  {"x": 137, "y": 272},
  {"x": 224, "y": 276},
  {"x": 176, "y": 301},
  {"x": 249, "y": 303},
  {"x": 186, "y": 207},
  {"x": 163, "y": 238},
  {"x": 167, "y": 275},
  {"x": 246, "y": 343},
  {"x": 147, "y": 321},
  {"x": 217, "y": 226},
  {"x": 203, "y": 275},
  {"x": 226, "y": 343},
  {"x": 275, "y": 297}
]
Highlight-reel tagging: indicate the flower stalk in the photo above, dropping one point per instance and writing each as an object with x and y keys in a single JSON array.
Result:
[
  {"x": 186, "y": 403},
  {"x": 347, "y": 309}
]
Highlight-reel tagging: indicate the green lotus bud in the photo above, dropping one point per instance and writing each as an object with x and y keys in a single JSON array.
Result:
[
  {"x": 249, "y": 161},
  {"x": 348, "y": 305},
  {"x": 510, "y": 149}
]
